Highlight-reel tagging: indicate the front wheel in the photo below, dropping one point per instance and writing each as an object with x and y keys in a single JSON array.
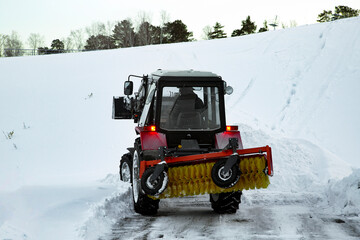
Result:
[
  {"x": 225, "y": 202},
  {"x": 156, "y": 186},
  {"x": 225, "y": 179},
  {"x": 142, "y": 203}
]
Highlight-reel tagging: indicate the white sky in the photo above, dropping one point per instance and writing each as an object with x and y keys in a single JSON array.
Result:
[{"x": 55, "y": 19}]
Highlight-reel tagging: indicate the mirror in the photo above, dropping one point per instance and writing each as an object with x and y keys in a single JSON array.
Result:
[{"x": 128, "y": 88}]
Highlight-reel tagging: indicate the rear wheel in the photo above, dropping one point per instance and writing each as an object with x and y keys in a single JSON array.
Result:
[
  {"x": 142, "y": 203},
  {"x": 225, "y": 202},
  {"x": 125, "y": 168}
]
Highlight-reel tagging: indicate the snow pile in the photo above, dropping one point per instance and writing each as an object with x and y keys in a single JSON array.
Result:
[
  {"x": 344, "y": 195},
  {"x": 299, "y": 165},
  {"x": 49, "y": 212},
  {"x": 105, "y": 214}
]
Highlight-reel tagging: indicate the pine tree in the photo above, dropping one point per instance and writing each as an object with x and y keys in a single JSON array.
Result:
[
  {"x": 248, "y": 27},
  {"x": 345, "y": 12},
  {"x": 325, "y": 16},
  {"x": 124, "y": 34},
  {"x": 218, "y": 32},
  {"x": 339, "y": 13},
  {"x": 57, "y": 46},
  {"x": 176, "y": 32},
  {"x": 265, "y": 28},
  {"x": 100, "y": 42}
]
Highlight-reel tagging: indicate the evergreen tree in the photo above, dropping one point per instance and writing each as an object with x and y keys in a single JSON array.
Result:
[
  {"x": 265, "y": 28},
  {"x": 345, "y": 12},
  {"x": 325, "y": 16},
  {"x": 248, "y": 27},
  {"x": 176, "y": 32},
  {"x": 57, "y": 46},
  {"x": 339, "y": 13},
  {"x": 43, "y": 50},
  {"x": 148, "y": 34},
  {"x": 124, "y": 34},
  {"x": 218, "y": 32},
  {"x": 237, "y": 32},
  {"x": 100, "y": 42}
]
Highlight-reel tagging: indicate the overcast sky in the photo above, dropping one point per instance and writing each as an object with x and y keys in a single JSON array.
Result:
[{"x": 55, "y": 19}]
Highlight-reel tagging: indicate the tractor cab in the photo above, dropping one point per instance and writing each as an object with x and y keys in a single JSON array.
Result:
[{"x": 186, "y": 106}]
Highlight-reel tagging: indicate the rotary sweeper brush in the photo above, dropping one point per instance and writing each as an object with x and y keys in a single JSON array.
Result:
[{"x": 184, "y": 146}]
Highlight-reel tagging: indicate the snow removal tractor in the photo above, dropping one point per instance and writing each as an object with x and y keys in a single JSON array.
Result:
[{"x": 184, "y": 146}]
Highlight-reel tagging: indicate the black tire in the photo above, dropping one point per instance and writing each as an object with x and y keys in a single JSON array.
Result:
[
  {"x": 225, "y": 181},
  {"x": 159, "y": 184},
  {"x": 225, "y": 202},
  {"x": 125, "y": 168},
  {"x": 142, "y": 203}
]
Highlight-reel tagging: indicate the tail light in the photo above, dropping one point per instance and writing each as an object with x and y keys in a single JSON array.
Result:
[
  {"x": 231, "y": 128},
  {"x": 151, "y": 128}
]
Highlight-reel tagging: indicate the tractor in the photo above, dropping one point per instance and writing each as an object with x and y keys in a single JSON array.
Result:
[{"x": 184, "y": 146}]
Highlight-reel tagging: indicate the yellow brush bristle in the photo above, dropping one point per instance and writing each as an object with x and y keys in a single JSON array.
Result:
[{"x": 196, "y": 179}]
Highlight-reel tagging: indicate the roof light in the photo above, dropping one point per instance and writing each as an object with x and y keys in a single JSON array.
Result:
[{"x": 231, "y": 128}]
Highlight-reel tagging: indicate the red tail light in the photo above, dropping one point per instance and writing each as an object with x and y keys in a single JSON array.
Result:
[
  {"x": 151, "y": 128},
  {"x": 231, "y": 128}
]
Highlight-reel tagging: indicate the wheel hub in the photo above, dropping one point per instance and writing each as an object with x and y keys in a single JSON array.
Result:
[{"x": 224, "y": 176}]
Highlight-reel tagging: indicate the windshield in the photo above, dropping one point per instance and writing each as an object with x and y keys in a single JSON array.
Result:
[{"x": 190, "y": 108}]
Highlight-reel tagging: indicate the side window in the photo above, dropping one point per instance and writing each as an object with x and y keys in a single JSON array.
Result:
[{"x": 169, "y": 95}]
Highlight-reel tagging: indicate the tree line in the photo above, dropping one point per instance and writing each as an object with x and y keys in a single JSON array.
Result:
[{"x": 125, "y": 34}]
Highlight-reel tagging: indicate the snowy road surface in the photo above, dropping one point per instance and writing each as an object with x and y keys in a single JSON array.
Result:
[{"x": 283, "y": 216}]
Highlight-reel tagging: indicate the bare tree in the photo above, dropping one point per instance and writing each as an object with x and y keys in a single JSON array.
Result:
[
  {"x": 207, "y": 30},
  {"x": 95, "y": 29},
  {"x": 77, "y": 38},
  {"x": 35, "y": 41},
  {"x": 68, "y": 43},
  {"x": 147, "y": 33},
  {"x": 164, "y": 18},
  {"x": 293, "y": 23},
  {"x": 13, "y": 45},
  {"x": 2, "y": 43},
  {"x": 109, "y": 28}
]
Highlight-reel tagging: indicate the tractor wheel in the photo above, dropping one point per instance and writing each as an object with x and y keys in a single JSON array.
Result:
[
  {"x": 225, "y": 202},
  {"x": 142, "y": 203},
  {"x": 222, "y": 179},
  {"x": 125, "y": 168},
  {"x": 155, "y": 187}
]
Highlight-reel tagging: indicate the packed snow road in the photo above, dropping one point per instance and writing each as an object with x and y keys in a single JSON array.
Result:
[{"x": 261, "y": 216}]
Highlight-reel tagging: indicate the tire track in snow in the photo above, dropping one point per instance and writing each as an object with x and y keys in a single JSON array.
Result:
[{"x": 264, "y": 216}]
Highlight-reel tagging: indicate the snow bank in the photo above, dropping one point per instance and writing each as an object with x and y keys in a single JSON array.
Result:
[
  {"x": 49, "y": 212},
  {"x": 106, "y": 213},
  {"x": 299, "y": 165},
  {"x": 344, "y": 195}
]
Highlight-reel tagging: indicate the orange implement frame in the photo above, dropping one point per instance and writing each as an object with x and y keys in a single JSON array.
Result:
[{"x": 212, "y": 156}]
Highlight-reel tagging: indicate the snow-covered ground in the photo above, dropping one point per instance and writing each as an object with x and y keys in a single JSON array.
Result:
[{"x": 294, "y": 89}]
